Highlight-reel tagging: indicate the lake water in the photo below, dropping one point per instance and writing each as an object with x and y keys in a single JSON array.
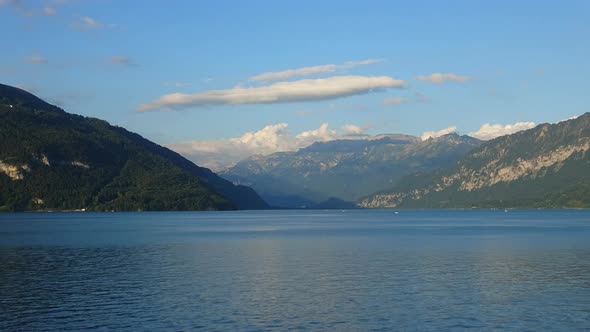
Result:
[{"x": 363, "y": 270}]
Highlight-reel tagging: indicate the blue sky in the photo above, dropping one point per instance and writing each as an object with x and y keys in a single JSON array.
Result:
[{"x": 502, "y": 62}]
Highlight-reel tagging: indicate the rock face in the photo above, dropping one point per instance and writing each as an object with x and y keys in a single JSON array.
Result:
[
  {"x": 345, "y": 169},
  {"x": 547, "y": 166},
  {"x": 15, "y": 172},
  {"x": 50, "y": 159}
]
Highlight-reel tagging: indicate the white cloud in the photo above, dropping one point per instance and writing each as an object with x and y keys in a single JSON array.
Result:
[
  {"x": 267, "y": 140},
  {"x": 37, "y": 59},
  {"x": 394, "y": 101},
  {"x": 310, "y": 71},
  {"x": 435, "y": 134},
  {"x": 219, "y": 154},
  {"x": 282, "y": 92},
  {"x": 322, "y": 134},
  {"x": 354, "y": 130},
  {"x": 87, "y": 23},
  {"x": 350, "y": 64},
  {"x": 488, "y": 131},
  {"x": 439, "y": 78},
  {"x": 570, "y": 118},
  {"x": 286, "y": 74}
]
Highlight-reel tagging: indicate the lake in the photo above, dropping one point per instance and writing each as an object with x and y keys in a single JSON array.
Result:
[{"x": 356, "y": 270}]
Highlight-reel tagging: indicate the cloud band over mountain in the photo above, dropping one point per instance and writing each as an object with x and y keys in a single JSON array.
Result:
[{"x": 491, "y": 131}]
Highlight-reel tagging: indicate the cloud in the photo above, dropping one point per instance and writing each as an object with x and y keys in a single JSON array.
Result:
[
  {"x": 87, "y": 23},
  {"x": 219, "y": 154},
  {"x": 350, "y": 64},
  {"x": 439, "y": 78},
  {"x": 269, "y": 139},
  {"x": 36, "y": 59},
  {"x": 123, "y": 60},
  {"x": 282, "y": 92},
  {"x": 435, "y": 134},
  {"x": 286, "y": 74},
  {"x": 570, "y": 118},
  {"x": 351, "y": 130},
  {"x": 488, "y": 131},
  {"x": 310, "y": 71},
  {"x": 322, "y": 134},
  {"x": 394, "y": 101}
]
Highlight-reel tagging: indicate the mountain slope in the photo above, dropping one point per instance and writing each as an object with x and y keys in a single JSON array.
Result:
[
  {"x": 344, "y": 169},
  {"x": 547, "y": 166},
  {"x": 50, "y": 159}
]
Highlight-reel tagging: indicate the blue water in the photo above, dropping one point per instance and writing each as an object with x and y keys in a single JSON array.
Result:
[{"x": 296, "y": 270}]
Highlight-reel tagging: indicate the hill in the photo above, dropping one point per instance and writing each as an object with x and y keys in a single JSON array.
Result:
[
  {"x": 53, "y": 160},
  {"x": 544, "y": 167}
]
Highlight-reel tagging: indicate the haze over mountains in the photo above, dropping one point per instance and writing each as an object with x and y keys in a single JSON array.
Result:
[{"x": 53, "y": 160}]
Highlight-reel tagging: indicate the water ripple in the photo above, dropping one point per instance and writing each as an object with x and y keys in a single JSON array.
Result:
[{"x": 318, "y": 272}]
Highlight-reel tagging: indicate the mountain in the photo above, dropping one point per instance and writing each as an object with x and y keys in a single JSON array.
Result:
[
  {"x": 50, "y": 159},
  {"x": 344, "y": 170},
  {"x": 544, "y": 167}
]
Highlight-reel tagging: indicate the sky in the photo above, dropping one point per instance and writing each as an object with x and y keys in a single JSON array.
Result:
[{"x": 222, "y": 80}]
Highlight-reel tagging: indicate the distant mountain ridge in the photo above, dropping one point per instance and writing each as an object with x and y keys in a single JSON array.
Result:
[
  {"x": 346, "y": 169},
  {"x": 354, "y": 145},
  {"x": 546, "y": 167},
  {"x": 50, "y": 159}
]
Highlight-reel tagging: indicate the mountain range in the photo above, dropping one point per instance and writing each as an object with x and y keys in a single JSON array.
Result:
[
  {"x": 341, "y": 171},
  {"x": 544, "y": 167},
  {"x": 53, "y": 160}
]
